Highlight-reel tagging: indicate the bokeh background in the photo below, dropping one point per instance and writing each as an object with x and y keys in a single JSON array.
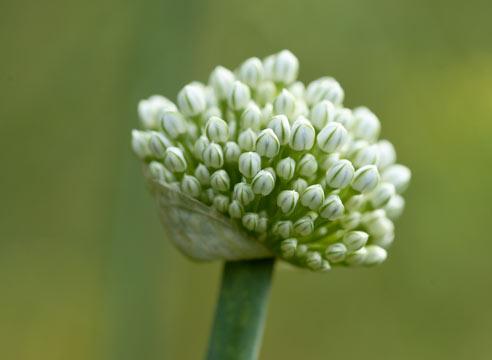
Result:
[{"x": 85, "y": 269}]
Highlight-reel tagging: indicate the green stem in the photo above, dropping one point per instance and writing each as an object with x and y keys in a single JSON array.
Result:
[{"x": 241, "y": 310}]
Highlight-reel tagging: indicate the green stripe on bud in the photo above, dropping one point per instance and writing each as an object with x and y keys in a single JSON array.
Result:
[
  {"x": 217, "y": 130},
  {"x": 340, "y": 174},
  {"x": 267, "y": 143},
  {"x": 238, "y": 96},
  {"x": 285, "y": 168},
  {"x": 336, "y": 252},
  {"x": 249, "y": 164},
  {"x": 284, "y": 104},
  {"x": 191, "y": 186},
  {"x": 332, "y": 137},
  {"x": 287, "y": 201},
  {"x": 174, "y": 160},
  {"x": 221, "y": 80},
  {"x": 398, "y": 175},
  {"x": 220, "y": 181},
  {"x": 174, "y": 124},
  {"x": 304, "y": 226},
  {"x": 231, "y": 152},
  {"x": 213, "y": 156},
  {"x": 302, "y": 135},
  {"x": 191, "y": 100},
  {"x": 263, "y": 183},
  {"x": 366, "y": 179},
  {"x": 251, "y": 72},
  {"x": 288, "y": 248},
  {"x": 313, "y": 197},
  {"x": 354, "y": 240},
  {"x": 283, "y": 228},
  {"x": 281, "y": 127},
  {"x": 243, "y": 193},
  {"x": 332, "y": 208}
]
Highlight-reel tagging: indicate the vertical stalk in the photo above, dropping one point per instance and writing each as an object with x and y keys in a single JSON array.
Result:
[{"x": 241, "y": 310}]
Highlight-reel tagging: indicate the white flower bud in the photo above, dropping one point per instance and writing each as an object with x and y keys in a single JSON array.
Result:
[
  {"x": 398, "y": 175},
  {"x": 313, "y": 197},
  {"x": 191, "y": 186},
  {"x": 336, "y": 252},
  {"x": 267, "y": 144},
  {"x": 251, "y": 117},
  {"x": 368, "y": 155},
  {"x": 380, "y": 226},
  {"x": 366, "y": 179},
  {"x": 231, "y": 152},
  {"x": 221, "y": 203},
  {"x": 355, "y": 202},
  {"x": 287, "y": 200},
  {"x": 220, "y": 181},
  {"x": 174, "y": 124},
  {"x": 158, "y": 143},
  {"x": 262, "y": 225},
  {"x": 159, "y": 173},
  {"x": 283, "y": 228},
  {"x": 314, "y": 260},
  {"x": 375, "y": 255},
  {"x": 202, "y": 174},
  {"x": 297, "y": 89},
  {"x": 304, "y": 226},
  {"x": 247, "y": 140},
  {"x": 250, "y": 221},
  {"x": 382, "y": 194},
  {"x": 285, "y": 67},
  {"x": 351, "y": 220},
  {"x": 332, "y": 137},
  {"x": 340, "y": 174},
  {"x": 217, "y": 130},
  {"x": 150, "y": 110},
  {"x": 387, "y": 154},
  {"x": 354, "y": 240},
  {"x": 285, "y": 168},
  {"x": 212, "y": 111},
  {"x": 239, "y": 96},
  {"x": 213, "y": 156},
  {"x": 284, "y": 104},
  {"x": 263, "y": 183},
  {"x": 394, "y": 208},
  {"x": 140, "y": 143},
  {"x": 236, "y": 210},
  {"x": 221, "y": 80},
  {"x": 345, "y": 117},
  {"x": 332, "y": 208},
  {"x": 281, "y": 127},
  {"x": 288, "y": 248},
  {"x": 174, "y": 160},
  {"x": 243, "y": 193},
  {"x": 265, "y": 92},
  {"x": 266, "y": 114},
  {"x": 251, "y": 72},
  {"x": 322, "y": 113},
  {"x": 366, "y": 125},
  {"x": 175, "y": 186},
  {"x": 249, "y": 164},
  {"x": 307, "y": 166},
  {"x": 357, "y": 257},
  {"x": 384, "y": 241},
  {"x": 302, "y": 134},
  {"x": 191, "y": 100},
  {"x": 200, "y": 146},
  {"x": 299, "y": 185},
  {"x": 301, "y": 109},
  {"x": 208, "y": 196},
  {"x": 325, "y": 88},
  {"x": 301, "y": 251},
  {"x": 326, "y": 161}
]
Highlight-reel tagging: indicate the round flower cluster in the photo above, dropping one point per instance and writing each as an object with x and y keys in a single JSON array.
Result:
[{"x": 301, "y": 173}]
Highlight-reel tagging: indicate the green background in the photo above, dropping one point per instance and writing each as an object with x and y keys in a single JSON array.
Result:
[{"x": 85, "y": 269}]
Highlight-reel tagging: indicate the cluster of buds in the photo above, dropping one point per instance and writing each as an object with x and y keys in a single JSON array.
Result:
[{"x": 298, "y": 171}]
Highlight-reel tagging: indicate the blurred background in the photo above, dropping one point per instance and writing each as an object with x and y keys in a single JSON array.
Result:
[{"x": 85, "y": 269}]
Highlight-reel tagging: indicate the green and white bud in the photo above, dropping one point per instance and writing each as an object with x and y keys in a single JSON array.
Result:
[
  {"x": 380, "y": 226},
  {"x": 355, "y": 203},
  {"x": 375, "y": 255},
  {"x": 265, "y": 92},
  {"x": 354, "y": 240},
  {"x": 158, "y": 143},
  {"x": 384, "y": 241},
  {"x": 251, "y": 72},
  {"x": 285, "y": 168},
  {"x": 307, "y": 166},
  {"x": 313, "y": 197},
  {"x": 267, "y": 143},
  {"x": 220, "y": 181},
  {"x": 314, "y": 260},
  {"x": 262, "y": 225},
  {"x": 249, "y": 164},
  {"x": 174, "y": 124},
  {"x": 301, "y": 251},
  {"x": 213, "y": 156},
  {"x": 200, "y": 146},
  {"x": 366, "y": 125},
  {"x": 217, "y": 130},
  {"x": 288, "y": 248},
  {"x": 332, "y": 208},
  {"x": 208, "y": 196},
  {"x": 357, "y": 257},
  {"x": 221, "y": 203},
  {"x": 322, "y": 113},
  {"x": 221, "y": 81},
  {"x": 250, "y": 221},
  {"x": 191, "y": 100},
  {"x": 140, "y": 143},
  {"x": 283, "y": 228},
  {"x": 159, "y": 173},
  {"x": 340, "y": 174},
  {"x": 212, "y": 111},
  {"x": 281, "y": 127},
  {"x": 174, "y": 160},
  {"x": 285, "y": 67},
  {"x": 366, "y": 179},
  {"x": 297, "y": 89},
  {"x": 150, "y": 110},
  {"x": 394, "y": 208},
  {"x": 232, "y": 151},
  {"x": 304, "y": 226},
  {"x": 236, "y": 210},
  {"x": 239, "y": 96},
  {"x": 387, "y": 154},
  {"x": 327, "y": 160},
  {"x": 247, "y": 140},
  {"x": 345, "y": 117},
  {"x": 266, "y": 114},
  {"x": 368, "y": 155},
  {"x": 263, "y": 183},
  {"x": 191, "y": 186},
  {"x": 398, "y": 175},
  {"x": 202, "y": 174},
  {"x": 332, "y": 137},
  {"x": 351, "y": 220},
  {"x": 302, "y": 134},
  {"x": 299, "y": 185},
  {"x": 287, "y": 201},
  {"x": 284, "y": 104},
  {"x": 325, "y": 88},
  {"x": 243, "y": 193},
  {"x": 336, "y": 252},
  {"x": 251, "y": 117},
  {"x": 382, "y": 194}
]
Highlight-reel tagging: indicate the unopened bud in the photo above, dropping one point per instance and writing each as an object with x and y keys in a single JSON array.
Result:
[
  {"x": 368, "y": 155},
  {"x": 191, "y": 186},
  {"x": 213, "y": 156},
  {"x": 314, "y": 260},
  {"x": 302, "y": 134},
  {"x": 174, "y": 160},
  {"x": 394, "y": 208},
  {"x": 366, "y": 125},
  {"x": 304, "y": 226},
  {"x": 236, "y": 210},
  {"x": 284, "y": 104},
  {"x": 354, "y": 240},
  {"x": 340, "y": 174},
  {"x": 366, "y": 179},
  {"x": 336, "y": 252},
  {"x": 281, "y": 127},
  {"x": 247, "y": 140},
  {"x": 299, "y": 185},
  {"x": 375, "y": 255},
  {"x": 249, "y": 164},
  {"x": 332, "y": 208},
  {"x": 217, "y": 129},
  {"x": 251, "y": 117},
  {"x": 288, "y": 248},
  {"x": 322, "y": 113},
  {"x": 382, "y": 194},
  {"x": 287, "y": 200},
  {"x": 243, "y": 193},
  {"x": 250, "y": 221},
  {"x": 387, "y": 154},
  {"x": 285, "y": 168},
  {"x": 221, "y": 203},
  {"x": 263, "y": 183},
  {"x": 285, "y": 67},
  {"x": 332, "y": 137},
  {"x": 283, "y": 228},
  {"x": 140, "y": 143},
  {"x": 158, "y": 143},
  {"x": 231, "y": 152},
  {"x": 191, "y": 100},
  {"x": 239, "y": 96},
  {"x": 202, "y": 174},
  {"x": 398, "y": 175},
  {"x": 313, "y": 197},
  {"x": 221, "y": 81},
  {"x": 267, "y": 144},
  {"x": 220, "y": 181},
  {"x": 307, "y": 166},
  {"x": 251, "y": 72}
]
